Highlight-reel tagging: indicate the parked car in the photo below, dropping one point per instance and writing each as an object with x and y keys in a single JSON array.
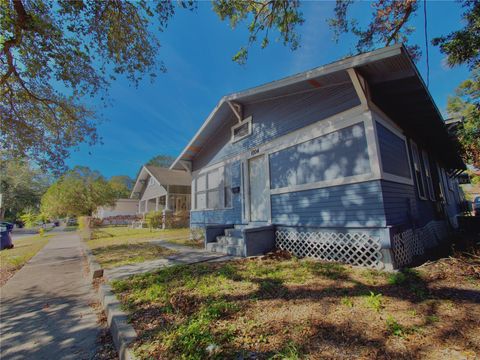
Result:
[
  {"x": 476, "y": 206},
  {"x": 72, "y": 222}
]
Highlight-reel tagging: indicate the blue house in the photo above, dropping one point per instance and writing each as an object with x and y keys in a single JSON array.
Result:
[{"x": 347, "y": 162}]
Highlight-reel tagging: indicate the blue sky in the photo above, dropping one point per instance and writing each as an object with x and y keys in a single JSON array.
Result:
[{"x": 161, "y": 117}]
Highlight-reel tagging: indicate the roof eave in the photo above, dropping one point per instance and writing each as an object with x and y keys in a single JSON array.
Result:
[{"x": 336, "y": 66}]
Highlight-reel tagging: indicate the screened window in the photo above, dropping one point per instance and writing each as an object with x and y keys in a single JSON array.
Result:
[
  {"x": 242, "y": 130},
  {"x": 213, "y": 189},
  {"x": 417, "y": 167},
  {"x": 428, "y": 175},
  {"x": 200, "y": 192},
  {"x": 341, "y": 153},
  {"x": 393, "y": 152}
]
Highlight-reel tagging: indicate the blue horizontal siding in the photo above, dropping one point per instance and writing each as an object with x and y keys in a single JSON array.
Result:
[
  {"x": 272, "y": 119},
  {"x": 200, "y": 218},
  {"x": 403, "y": 206},
  {"x": 352, "y": 205}
]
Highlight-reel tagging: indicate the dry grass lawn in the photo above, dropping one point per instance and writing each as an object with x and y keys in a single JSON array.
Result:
[
  {"x": 12, "y": 260},
  {"x": 278, "y": 307},
  {"x": 117, "y": 246}
]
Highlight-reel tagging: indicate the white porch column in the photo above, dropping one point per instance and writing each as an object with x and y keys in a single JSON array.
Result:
[
  {"x": 167, "y": 203},
  {"x": 146, "y": 206},
  {"x": 156, "y": 203}
]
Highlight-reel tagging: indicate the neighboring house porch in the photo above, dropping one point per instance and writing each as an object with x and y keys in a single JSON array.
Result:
[{"x": 160, "y": 189}]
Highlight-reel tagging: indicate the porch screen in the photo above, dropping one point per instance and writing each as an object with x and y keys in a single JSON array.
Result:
[
  {"x": 335, "y": 155},
  {"x": 393, "y": 152},
  {"x": 208, "y": 190}
]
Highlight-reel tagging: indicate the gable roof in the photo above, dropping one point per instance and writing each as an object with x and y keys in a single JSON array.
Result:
[
  {"x": 396, "y": 87},
  {"x": 164, "y": 176}
]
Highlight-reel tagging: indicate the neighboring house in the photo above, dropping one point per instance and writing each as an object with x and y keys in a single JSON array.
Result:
[
  {"x": 347, "y": 162},
  {"x": 158, "y": 189},
  {"x": 122, "y": 207}
]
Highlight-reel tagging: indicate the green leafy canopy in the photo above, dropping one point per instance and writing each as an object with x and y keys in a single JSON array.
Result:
[{"x": 54, "y": 55}]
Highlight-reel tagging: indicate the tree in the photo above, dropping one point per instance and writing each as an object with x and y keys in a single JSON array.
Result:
[
  {"x": 78, "y": 192},
  {"x": 466, "y": 104},
  {"x": 463, "y": 46},
  {"x": 262, "y": 16},
  {"x": 54, "y": 55},
  {"x": 161, "y": 161},
  {"x": 122, "y": 185},
  {"x": 389, "y": 24},
  {"x": 21, "y": 185}
]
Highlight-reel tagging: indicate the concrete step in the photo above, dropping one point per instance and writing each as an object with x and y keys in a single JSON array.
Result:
[
  {"x": 234, "y": 232},
  {"x": 232, "y": 250},
  {"x": 230, "y": 240}
]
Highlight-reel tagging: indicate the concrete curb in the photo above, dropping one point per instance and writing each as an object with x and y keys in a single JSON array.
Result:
[
  {"x": 122, "y": 332},
  {"x": 95, "y": 270}
]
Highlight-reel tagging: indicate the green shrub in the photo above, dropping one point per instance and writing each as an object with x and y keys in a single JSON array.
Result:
[
  {"x": 29, "y": 218},
  {"x": 154, "y": 219}
]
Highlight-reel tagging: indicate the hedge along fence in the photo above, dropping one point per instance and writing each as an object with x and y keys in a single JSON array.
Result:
[{"x": 167, "y": 220}]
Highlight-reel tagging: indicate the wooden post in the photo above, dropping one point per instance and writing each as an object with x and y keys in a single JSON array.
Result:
[{"x": 167, "y": 203}]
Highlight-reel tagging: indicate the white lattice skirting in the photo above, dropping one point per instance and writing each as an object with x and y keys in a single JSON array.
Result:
[
  {"x": 197, "y": 233},
  {"x": 352, "y": 248},
  {"x": 409, "y": 243}
]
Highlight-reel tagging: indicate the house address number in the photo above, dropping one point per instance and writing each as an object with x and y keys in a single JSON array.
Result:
[{"x": 254, "y": 152}]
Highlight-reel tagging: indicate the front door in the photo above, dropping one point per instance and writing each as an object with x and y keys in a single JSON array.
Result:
[{"x": 258, "y": 189}]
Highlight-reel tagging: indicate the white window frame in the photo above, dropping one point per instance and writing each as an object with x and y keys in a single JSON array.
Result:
[
  {"x": 227, "y": 186},
  {"x": 417, "y": 166},
  {"x": 221, "y": 188},
  {"x": 428, "y": 175},
  {"x": 248, "y": 121}
]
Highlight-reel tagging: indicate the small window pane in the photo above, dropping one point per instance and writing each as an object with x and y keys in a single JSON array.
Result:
[
  {"x": 418, "y": 172},
  {"x": 201, "y": 201},
  {"x": 213, "y": 199},
  {"x": 228, "y": 175},
  {"x": 201, "y": 183},
  {"x": 213, "y": 179}
]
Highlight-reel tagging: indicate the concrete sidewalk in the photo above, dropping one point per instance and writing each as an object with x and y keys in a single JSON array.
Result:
[
  {"x": 184, "y": 255},
  {"x": 45, "y": 310}
]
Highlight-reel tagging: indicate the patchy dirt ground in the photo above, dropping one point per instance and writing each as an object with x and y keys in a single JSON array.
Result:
[{"x": 279, "y": 307}]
